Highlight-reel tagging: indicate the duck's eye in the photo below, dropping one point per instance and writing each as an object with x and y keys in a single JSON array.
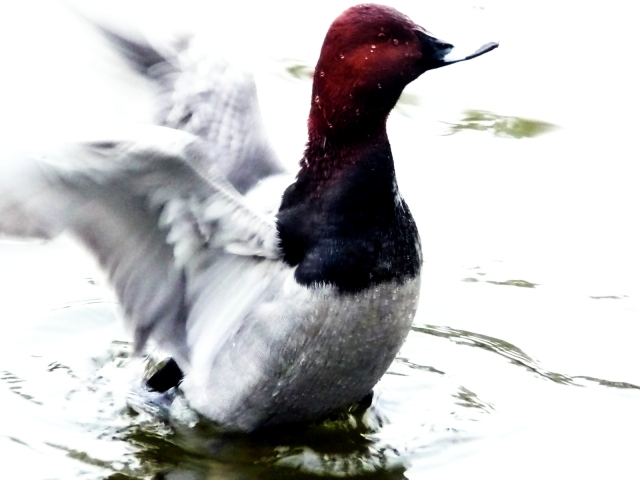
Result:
[{"x": 382, "y": 37}]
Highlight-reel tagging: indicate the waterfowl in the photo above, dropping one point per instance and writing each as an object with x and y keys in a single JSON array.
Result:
[{"x": 275, "y": 309}]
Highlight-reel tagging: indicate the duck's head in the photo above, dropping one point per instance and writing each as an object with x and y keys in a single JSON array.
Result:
[{"x": 370, "y": 53}]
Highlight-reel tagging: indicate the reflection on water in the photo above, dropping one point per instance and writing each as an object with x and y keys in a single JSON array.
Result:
[
  {"x": 297, "y": 69},
  {"x": 501, "y": 126},
  {"x": 495, "y": 345},
  {"x": 535, "y": 382},
  {"x": 514, "y": 283}
]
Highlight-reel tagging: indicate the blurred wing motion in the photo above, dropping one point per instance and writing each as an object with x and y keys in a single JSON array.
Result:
[
  {"x": 164, "y": 209},
  {"x": 208, "y": 96},
  {"x": 153, "y": 208}
]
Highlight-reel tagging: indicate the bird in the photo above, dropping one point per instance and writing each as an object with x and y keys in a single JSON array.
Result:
[{"x": 280, "y": 300}]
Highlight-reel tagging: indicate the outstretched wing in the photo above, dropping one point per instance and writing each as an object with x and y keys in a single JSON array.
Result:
[
  {"x": 152, "y": 207},
  {"x": 203, "y": 93}
]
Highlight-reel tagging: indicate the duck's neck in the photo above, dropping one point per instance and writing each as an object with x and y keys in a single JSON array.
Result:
[
  {"x": 344, "y": 113},
  {"x": 328, "y": 155},
  {"x": 347, "y": 118}
]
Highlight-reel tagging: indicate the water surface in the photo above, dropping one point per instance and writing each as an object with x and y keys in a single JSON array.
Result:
[{"x": 520, "y": 168}]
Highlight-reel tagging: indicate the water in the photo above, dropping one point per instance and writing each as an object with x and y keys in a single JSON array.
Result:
[{"x": 520, "y": 170}]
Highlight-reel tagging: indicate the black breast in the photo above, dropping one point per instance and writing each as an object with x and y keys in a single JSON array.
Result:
[{"x": 351, "y": 230}]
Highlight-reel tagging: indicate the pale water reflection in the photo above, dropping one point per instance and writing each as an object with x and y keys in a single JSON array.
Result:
[{"x": 523, "y": 360}]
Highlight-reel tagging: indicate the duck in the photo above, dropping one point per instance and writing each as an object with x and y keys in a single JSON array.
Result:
[{"x": 279, "y": 301}]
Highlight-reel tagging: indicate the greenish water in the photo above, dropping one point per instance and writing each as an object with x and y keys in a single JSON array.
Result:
[{"x": 520, "y": 168}]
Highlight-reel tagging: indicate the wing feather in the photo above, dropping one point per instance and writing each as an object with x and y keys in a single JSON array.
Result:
[{"x": 154, "y": 209}]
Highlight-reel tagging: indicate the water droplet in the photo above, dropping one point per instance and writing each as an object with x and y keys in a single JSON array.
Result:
[
  {"x": 341, "y": 56},
  {"x": 317, "y": 99},
  {"x": 322, "y": 74},
  {"x": 373, "y": 46},
  {"x": 396, "y": 41},
  {"x": 379, "y": 86}
]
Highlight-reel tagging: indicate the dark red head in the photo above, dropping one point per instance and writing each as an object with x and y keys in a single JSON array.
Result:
[{"x": 371, "y": 52}]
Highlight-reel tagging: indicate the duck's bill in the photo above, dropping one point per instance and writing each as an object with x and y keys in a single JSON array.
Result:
[
  {"x": 438, "y": 53},
  {"x": 459, "y": 54}
]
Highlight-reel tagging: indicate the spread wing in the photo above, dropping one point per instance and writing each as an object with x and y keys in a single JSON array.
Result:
[
  {"x": 201, "y": 92},
  {"x": 154, "y": 209}
]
